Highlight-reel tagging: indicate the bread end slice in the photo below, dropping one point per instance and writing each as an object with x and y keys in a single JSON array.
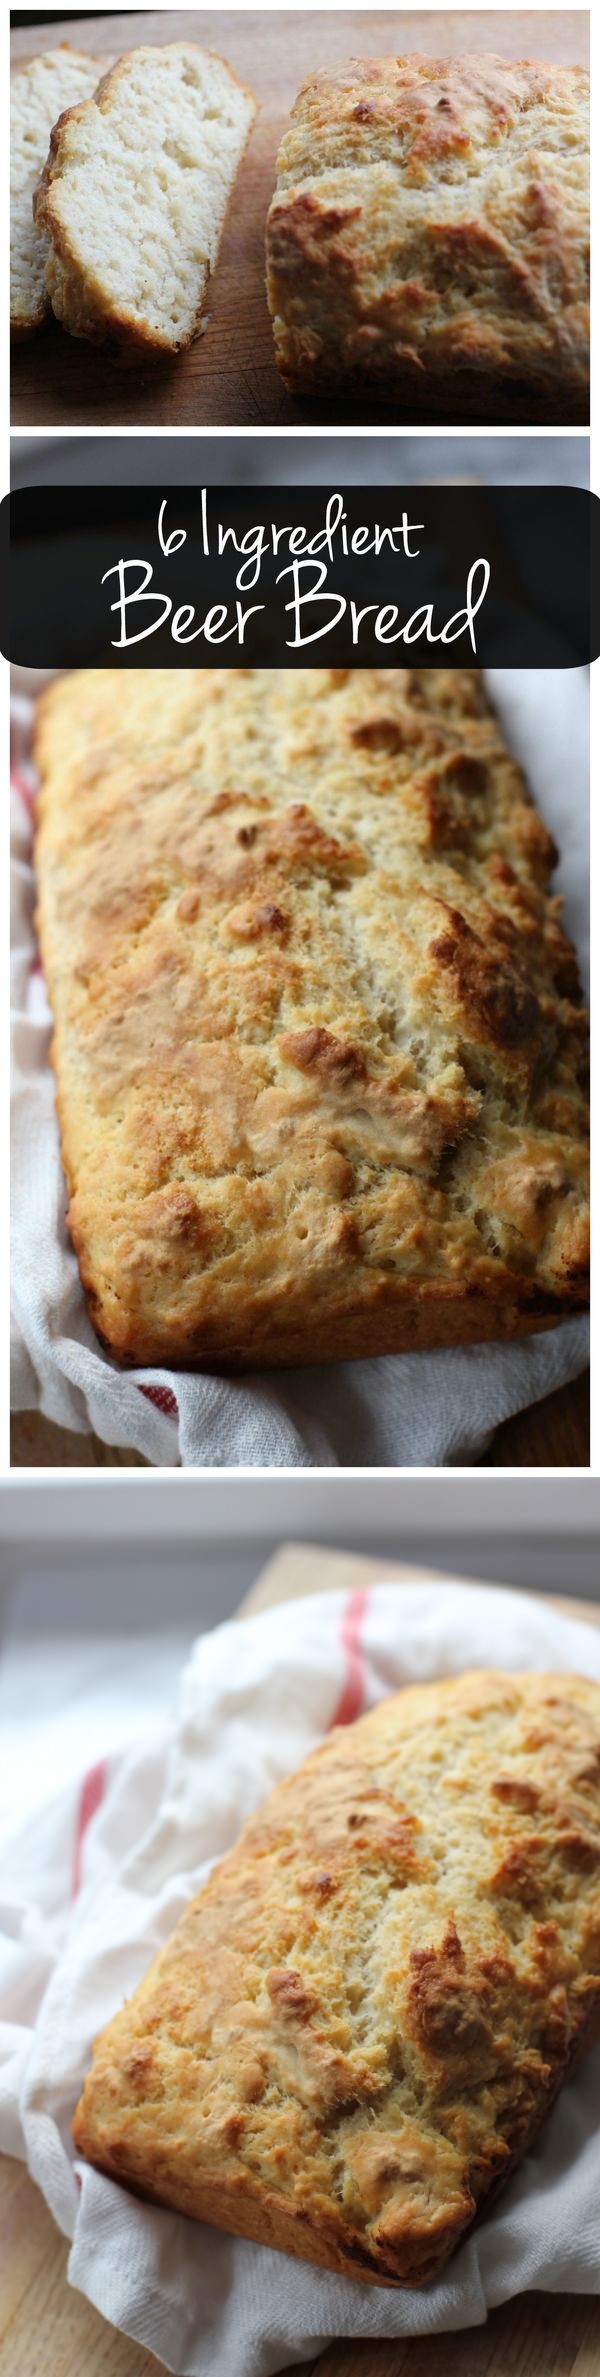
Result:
[{"x": 40, "y": 88}]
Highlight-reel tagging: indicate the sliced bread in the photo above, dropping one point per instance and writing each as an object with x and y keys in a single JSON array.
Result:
[
  {"x": 40, "y": 88},
  {"x": 134, "y": 195}
]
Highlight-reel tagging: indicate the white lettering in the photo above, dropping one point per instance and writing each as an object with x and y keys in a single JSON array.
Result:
[
  {"x": 137, "y": 595},
  {"x": 454, "y": 627},
  {"x": 312, "y": 594},
  {"x": 177, "y": 538}
]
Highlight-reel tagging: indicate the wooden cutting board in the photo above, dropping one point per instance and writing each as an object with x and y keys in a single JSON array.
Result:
[
  {"x": 229, "y": 378},
  {"x": 47, "y": 2330}
]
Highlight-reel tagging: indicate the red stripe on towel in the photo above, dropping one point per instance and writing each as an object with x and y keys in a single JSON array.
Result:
[
  {"x": 163, "y": 1398},
  {"x": 25, "y": 792},
  {"x": 351, "y": 1696},
  {"x": 90, "y": 1799}
]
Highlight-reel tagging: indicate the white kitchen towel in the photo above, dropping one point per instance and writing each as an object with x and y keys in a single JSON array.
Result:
[
  {"x": 416, "y": 1410},
  {"x": 95, "y": 1884}
]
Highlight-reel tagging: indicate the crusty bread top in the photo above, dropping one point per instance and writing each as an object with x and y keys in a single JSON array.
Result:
[
  {"x": 318, "y": 1042},
  {"x": 40, "y": 89},
  {"x": 431, "y": 214},
  {"x": 134, "y": 194},
  {"x": 357, "y": 2028}
]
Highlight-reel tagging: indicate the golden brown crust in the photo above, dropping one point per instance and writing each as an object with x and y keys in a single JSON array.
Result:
[
  {"x": 358, "y": 2027},
  {"x": 319, "y": 1052},
  {"x": 430, "y": 228}
]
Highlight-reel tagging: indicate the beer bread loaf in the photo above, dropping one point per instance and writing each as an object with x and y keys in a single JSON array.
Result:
[
  {"x": 359, "y": 2025},
  {"x": 318, "y": 1041},
  {"x": 39, "y": 90},
  {"x": 134, "y": 195},
  {"x": 429, "y": 233}
]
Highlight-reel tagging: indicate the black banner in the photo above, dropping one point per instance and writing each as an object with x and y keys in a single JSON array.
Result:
[{"x": 437, "y": 576}]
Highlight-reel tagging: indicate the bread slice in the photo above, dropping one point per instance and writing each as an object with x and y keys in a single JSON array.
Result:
[
  {"x": 40, "y": 89},
  {"x": 358, "y": 2027},
  {"x": 134, "y": 195}
]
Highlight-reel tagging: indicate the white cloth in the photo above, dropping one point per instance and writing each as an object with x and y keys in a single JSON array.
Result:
[
  {"x": 415, "y": 1410},
  {"x": 254, "y": 1698}
]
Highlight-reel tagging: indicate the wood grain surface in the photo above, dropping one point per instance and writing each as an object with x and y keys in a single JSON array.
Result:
[
  {"x": 37, "y": 1443},
  {"x": 229, "y": 378},
  {"x": 47, "y": 2330},
  {"x": 296, "y": 1569}
]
